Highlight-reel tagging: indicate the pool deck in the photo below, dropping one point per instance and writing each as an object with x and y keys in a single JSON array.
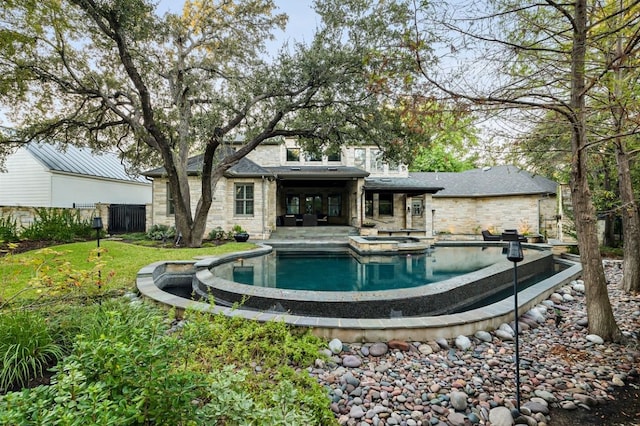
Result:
[{"x": 420, "y": 328}]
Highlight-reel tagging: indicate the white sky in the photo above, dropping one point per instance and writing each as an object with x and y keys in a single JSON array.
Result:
[{"x": 300, "y": 26}]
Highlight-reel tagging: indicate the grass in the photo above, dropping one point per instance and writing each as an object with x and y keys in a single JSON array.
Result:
[
  {"x": 121, "y": 262},
  {"x": 200, "y": 373}
]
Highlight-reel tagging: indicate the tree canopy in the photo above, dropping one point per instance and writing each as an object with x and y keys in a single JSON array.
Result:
[{"x": 113, "y": 73}]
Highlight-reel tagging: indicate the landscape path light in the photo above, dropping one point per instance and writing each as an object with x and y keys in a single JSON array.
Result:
[
  {"x": 515, "y": 255},
  {"x": 97, "y": 225}
]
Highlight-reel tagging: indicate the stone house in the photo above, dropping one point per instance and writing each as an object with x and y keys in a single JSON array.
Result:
[{"x": 278, "y": 184}]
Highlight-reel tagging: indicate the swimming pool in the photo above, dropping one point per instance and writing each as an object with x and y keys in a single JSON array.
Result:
[
  {"x": 346, "y": 270},
  {"x": 364, "y": 316},
  {"x": 468, "y": 274}
]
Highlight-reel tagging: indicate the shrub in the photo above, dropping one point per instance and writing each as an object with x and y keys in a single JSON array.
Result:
[
  {"x": 8, "y": 230},
  {"x": 62, "y": 225},
  {"x": 217, "y": 234},
  {"x": 128, "y": 368},
  {"x": 27, "y": 347},
  {"x": 161, "y": 233}
]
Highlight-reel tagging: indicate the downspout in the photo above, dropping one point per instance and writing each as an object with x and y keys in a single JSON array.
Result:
[{"x": 264, "y": 204}]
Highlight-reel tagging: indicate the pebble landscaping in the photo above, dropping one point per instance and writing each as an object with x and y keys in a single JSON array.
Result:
[{"x": 470, "y": 379}]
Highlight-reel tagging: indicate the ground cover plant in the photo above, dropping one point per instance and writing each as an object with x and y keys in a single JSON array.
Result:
[{"x": 124, "y": 362}]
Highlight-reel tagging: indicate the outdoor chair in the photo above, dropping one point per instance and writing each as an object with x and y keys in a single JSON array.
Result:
[
  {"x": 289, "y": 220},
  {"x": 309, "y": 220},
  {"x": 488, "y": 236},
  {"x": 512, "y": 235}
]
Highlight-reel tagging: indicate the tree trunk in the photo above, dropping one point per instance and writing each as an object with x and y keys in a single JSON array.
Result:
[
  {"x": 630, "y": 224},
  {"x": 599, "y": 311}
]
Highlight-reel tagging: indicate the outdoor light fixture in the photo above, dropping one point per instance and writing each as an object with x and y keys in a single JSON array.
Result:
[
  {"x": 97, "y": 225},
  {"x": 514, "y": 254}
]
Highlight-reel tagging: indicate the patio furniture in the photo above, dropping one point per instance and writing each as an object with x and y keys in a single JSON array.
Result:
[
  {"x": 488, "y": 236},
  {"x": 512, "y": 235},
  {"x": 309, "y": 220},
  {"x": 289, "y": 220}
]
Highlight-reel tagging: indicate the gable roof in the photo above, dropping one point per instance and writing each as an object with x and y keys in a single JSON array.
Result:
[
  {"x": 243, "y": 168},
  {"x": 488, "y": 182},
  {"x": 81, "y": 161}
]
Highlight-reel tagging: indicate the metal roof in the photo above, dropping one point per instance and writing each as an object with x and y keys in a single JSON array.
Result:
[
  {"x": 488, "y": 182},
  {"x": 81, "y": 161}
]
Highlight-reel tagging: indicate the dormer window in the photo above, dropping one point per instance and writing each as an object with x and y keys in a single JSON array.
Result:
[
  {"x": 293, "y": 154},
  {"x": 312, "y": 156}
]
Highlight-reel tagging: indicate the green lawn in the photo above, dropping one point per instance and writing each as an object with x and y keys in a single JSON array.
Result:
[{"x": 120, "y": 263}]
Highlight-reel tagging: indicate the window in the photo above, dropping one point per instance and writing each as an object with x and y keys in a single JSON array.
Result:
[
  {"x": 244, "y": 199},
  {"x": 385, "y": 205},
  {"x": 293, "y": 204},
  {"x": 334, "y": 155},
  {"x": 376, "y": 161},
  {"x": 335, "y": 205},
  {"x": 293, "y": 154},
  {"x": 416, "y": 207},
  {"x": 171, "y": 207},
  {"x": 313, "y": 204},
  {"x": 360, "y": 158},
  {"x": 368, "y": 204},
  {"x": 312, "y": 156}
]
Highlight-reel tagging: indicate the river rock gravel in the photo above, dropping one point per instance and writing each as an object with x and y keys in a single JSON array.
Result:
[{"x": 469, "y": 380}]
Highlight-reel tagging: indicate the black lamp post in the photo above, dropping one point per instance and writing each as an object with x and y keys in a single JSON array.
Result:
[
  {"x": 514, "y": 254},
  {"x": 97, "y": 225}
]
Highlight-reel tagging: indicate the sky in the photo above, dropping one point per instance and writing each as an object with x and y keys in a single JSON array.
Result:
[{"x": 300, "y": 27}]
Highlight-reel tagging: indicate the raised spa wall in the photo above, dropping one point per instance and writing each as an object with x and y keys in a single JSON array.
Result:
[{"x": 153, "y": 278}]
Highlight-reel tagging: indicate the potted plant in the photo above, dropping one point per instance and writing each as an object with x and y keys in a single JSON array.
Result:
[{"x": 239, "y": 234}]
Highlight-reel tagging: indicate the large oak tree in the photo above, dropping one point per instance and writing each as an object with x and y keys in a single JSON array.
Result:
[{"x": 112, "y": 73}]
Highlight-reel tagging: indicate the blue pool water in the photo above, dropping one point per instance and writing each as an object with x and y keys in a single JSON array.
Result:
[{"x": 346, "y": 271}]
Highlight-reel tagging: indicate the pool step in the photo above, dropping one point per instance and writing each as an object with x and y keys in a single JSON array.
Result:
[{"x": 315, "y": 233}]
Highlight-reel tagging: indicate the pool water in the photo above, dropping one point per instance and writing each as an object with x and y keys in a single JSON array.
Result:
[{"x": 346, "y": 271}]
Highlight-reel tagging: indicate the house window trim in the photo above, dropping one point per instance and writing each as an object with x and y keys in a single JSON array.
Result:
[{"x": 244, "y": 200}]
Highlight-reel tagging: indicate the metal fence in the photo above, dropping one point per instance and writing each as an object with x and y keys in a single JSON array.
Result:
[{"x": 127, "y": 218}]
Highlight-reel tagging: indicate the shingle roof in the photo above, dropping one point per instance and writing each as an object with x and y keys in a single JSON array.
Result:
[
  {"x": 244, "y": 168},
  {"x": 488, "y": 181},
  {"x": 81, "y": 161},
  {"x": 409, "y": 185},
  {"x": 317, "y": 172}
]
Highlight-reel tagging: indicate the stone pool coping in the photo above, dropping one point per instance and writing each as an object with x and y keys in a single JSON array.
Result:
[{"x": 420, "y": 328}]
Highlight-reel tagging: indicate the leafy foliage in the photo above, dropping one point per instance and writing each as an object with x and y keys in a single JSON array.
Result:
[
  {"x": 62, "y": 225},
  {"x": 128, "y": 368},
  {"x": 8, "y": 230},
  {"x": 27, "y": 347},
  {"x": 161, "y": 232}
]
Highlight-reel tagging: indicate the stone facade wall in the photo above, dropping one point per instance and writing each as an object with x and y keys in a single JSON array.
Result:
[
  {"x": 527, "y": 214},
  {"x": 222, "y": 211}
]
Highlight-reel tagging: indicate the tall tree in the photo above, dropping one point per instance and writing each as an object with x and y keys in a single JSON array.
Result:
[
  {"x": 161, "y": 89},
  {"x": 536, "y": 55}
]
